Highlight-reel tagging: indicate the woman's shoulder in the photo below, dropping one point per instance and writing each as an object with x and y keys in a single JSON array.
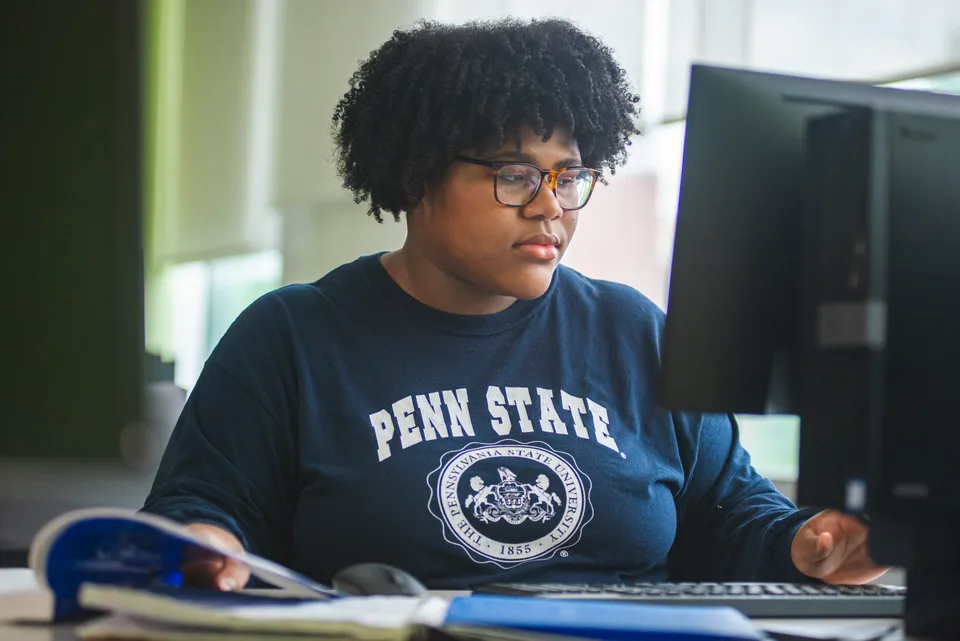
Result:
[
  {"x": 618, "y": 301},
  {"x": 295, "y": 309},
  {"x": 332, "y": 289}
]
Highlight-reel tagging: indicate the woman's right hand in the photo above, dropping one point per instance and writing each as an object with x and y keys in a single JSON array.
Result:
[{"x": 208, "y": 569}]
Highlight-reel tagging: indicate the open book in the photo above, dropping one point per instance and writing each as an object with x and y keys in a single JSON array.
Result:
[
  {"x": 127, "y": 548},
  {"x": 122, "y": 569}
]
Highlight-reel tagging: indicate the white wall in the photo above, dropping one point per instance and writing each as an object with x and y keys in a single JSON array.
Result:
[
  {"x": 322, "y": 44},
  {"x": 867, "y": 39},
  {"x": 318, "y": 239},
  {"x": 847, "y": 39}
]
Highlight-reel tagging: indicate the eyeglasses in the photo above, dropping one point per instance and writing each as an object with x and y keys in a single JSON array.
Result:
[{"x": 516, "y": 184}]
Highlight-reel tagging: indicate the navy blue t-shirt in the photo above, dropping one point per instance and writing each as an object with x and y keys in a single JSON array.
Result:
[{"x": 343, "y": 421}]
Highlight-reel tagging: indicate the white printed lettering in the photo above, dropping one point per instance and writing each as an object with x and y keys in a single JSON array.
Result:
[
  {"x": 574, "y": 404},
  {"x": 382, "y": 424},
  {"x": 421, "y": 417},
  {"x": 520, "y": 397},
  {"x": 459, "y": 410},
  {"x": 431, "y": 415},
  {"x": 600, "y": 424},
  {"x": 409, "y": 432},
  {"x": 549, "y": 418},
  {"x": 499, "y": 416}
]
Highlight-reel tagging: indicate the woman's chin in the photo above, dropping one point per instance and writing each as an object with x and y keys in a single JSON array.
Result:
[{"x": 532, "y": 284}]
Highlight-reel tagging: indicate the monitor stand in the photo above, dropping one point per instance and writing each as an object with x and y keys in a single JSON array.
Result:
[
  {"x": 930, "y": 553},
  {"x": 933, "y": 604}
]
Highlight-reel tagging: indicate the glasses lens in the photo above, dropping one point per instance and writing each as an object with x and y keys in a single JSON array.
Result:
[
  {"x": 516, "y": 183},
  {"x": 573, "y": 188}
]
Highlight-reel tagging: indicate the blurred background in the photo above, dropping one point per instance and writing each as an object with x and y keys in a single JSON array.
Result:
[{"x": 241, "y": 197}]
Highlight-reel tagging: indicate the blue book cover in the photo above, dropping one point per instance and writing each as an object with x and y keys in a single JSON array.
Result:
[
  {"x": 606, "y": 621},
  {"x": 135, "y": 549}
]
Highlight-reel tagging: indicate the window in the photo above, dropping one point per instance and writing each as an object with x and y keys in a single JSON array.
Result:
[
  {"x": 207, "y": 297},
  {"x": 942, "y": 83}
]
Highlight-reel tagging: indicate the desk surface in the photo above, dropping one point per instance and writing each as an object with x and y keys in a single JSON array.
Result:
[
  {"x": 21, "y": 579},
  {"x": 812, "y": 628}
]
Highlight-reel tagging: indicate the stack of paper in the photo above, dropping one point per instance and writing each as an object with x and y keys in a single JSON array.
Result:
[{"x": 183, "y": 614}]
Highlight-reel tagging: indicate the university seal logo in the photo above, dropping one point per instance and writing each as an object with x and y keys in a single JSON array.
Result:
[{"x": 509, "y": 502}]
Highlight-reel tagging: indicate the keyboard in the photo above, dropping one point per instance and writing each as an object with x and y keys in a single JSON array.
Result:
[{"x": 755, "y": 600}]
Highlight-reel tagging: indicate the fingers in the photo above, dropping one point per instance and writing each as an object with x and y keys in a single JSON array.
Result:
[
  {"x": 817, "y": 554},
  {"x": 815, "y": 548},
  {"x": 823, "y": 547},
  {"x": 854, "y": 530},
  {"x": 233, "y": 576},
  {"x": 205, "y": 568},
  {"x": 856, "y": 571},
  {"x": 202, "y": 573},
  {"x": 834, "y": 547}
]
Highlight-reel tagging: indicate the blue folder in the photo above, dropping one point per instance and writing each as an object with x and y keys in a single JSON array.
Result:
[{"x": 603, "y": 620}]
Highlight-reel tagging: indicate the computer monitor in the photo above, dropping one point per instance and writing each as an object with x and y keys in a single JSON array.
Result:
[
  {"x": 72, "y": 167},
  {"x": 815, "y": 272}
]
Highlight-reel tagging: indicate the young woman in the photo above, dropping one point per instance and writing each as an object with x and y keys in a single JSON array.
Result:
[{"x": 464, "y": 407}]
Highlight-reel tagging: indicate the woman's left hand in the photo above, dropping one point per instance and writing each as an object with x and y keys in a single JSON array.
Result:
[{"x": 832, "y": 547}]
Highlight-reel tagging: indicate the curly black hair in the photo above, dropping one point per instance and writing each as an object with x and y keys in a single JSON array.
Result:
[{"x": 434, "y": 90}]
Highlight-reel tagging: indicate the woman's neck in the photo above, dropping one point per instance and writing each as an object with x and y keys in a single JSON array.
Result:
[{"x": 429, "y": 284}]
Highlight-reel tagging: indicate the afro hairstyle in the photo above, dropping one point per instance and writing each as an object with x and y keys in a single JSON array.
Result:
[{"x": 435, "y": 90}]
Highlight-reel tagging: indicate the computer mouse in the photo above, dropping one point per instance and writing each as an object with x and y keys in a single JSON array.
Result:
[{"x": 376, "y": 579}]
